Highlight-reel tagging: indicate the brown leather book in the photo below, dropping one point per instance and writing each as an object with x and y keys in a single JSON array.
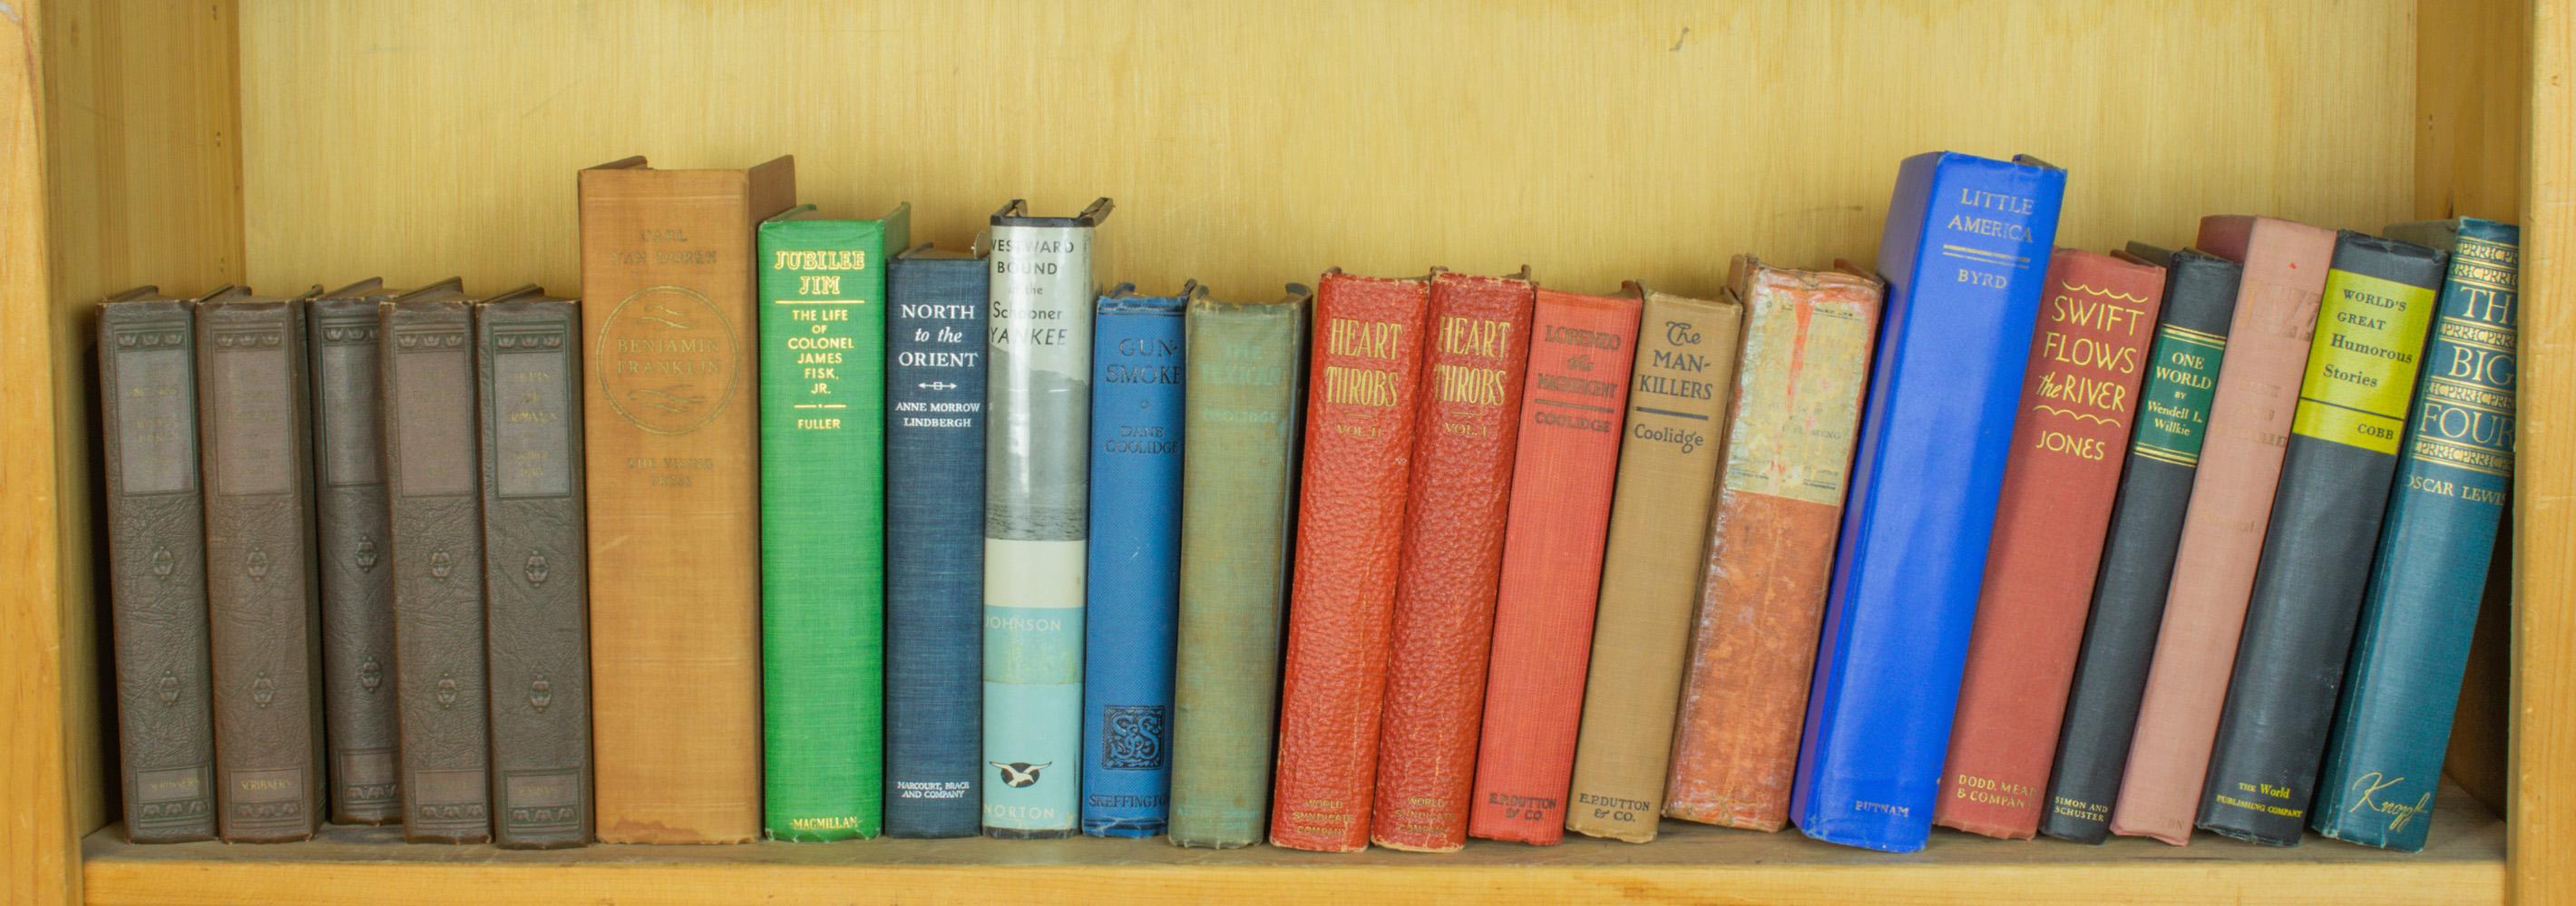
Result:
[
  {"x": 528, "y": 366},
  {"x": 1800, "y": 382},
  {"x": 2078, "y": 404},
  {"x": 260, "y": 595},
  {"x": 2231, "y": 506},
  {"x": 354, "y": 537},
  {"x": 156, "y": 554},
  {"x": 674, "y": 495},
  {"x": 1669, "y": 454},
  {"x": 426, "y": 352}
]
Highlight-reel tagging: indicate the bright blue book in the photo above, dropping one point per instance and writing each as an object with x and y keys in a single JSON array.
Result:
[
  {"x": 1134, "y": 575},
  {"x": 1965, "y": 256},
  {"x": 934, "y": 544},
  {"x": 2384, "y": 759}
]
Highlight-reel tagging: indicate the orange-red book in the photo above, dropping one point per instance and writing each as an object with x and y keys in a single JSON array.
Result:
[
  {"x": 1467, "y": 426},
  {"x": 1571, "y": 410}
]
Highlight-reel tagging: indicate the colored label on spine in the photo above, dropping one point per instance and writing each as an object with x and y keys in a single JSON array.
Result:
[
  {"x": 2360, "y": 379},
  {"x": 2173, "y": 415}
]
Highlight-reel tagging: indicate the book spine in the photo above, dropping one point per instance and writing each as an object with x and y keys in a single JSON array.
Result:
[
  {"x": 260, "y": 600},
  {"x": 2335, "y": 482},
  {"x": 673, "y": 492},
  {"x": 2231, "y": 503},
  {"x": 2385, "y": 758},
  {"x": 156, "y": 548},
  {"x": 1581, "y": 350},
  {"x": 1924, "y": 483},
  {"x": 822, "y": 491},
  {"x": 1134, "y": 570},
  {"x": 1367, "y": 368},
  {"x": 1668, "y": 461},
  {"x": 1768, "y": 556},
  {"x": 353, "y": 535},
  {"x": 535, "y": 579},
  {"x": 432, "y": 479},
  {"x": 2078, "y": 403},
  {"x": 1036, "y": 495},
  {"x": 1238, "y": 487},
  {"x": 1458, "y": 498},
  {"x": 2137, "y": 560},
  {"x": 934, "y": 547}
]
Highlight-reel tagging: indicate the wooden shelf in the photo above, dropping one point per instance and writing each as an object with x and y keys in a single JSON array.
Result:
[{"x": 1690, "y": 863}]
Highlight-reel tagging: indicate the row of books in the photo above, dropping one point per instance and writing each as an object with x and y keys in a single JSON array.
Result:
[{"x": 959, "y": 543}]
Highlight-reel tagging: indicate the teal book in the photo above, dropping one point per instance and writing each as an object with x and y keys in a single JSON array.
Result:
[
  {"x": 822, "y": 520},
  {"x": 2384, "y": 758}
]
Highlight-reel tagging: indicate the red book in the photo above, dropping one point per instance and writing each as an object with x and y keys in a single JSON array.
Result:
[
  {"x": 2078, "y": 406},
  {"x": 1468, "y": 426},
  {"x": 1350, "y": 522},
  {"x": 1562, "y": 477}
]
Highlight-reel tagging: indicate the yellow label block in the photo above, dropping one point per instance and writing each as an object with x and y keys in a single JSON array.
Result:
[{"x": 2361, "y": 369}]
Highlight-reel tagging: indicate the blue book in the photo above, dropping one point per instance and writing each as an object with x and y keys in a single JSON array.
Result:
[
  {"x": 2384, "y": 759},
  {"x": 1134, "y": 576},
  {"x": 934, "y": 544},
  {"x": 1965, "y": 256}
]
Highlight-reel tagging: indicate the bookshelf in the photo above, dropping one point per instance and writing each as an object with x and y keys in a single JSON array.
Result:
[{"x": 286, "y": 142}]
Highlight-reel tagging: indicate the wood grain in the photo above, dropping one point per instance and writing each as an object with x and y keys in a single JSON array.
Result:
[{"x": 2543, "y": 768}]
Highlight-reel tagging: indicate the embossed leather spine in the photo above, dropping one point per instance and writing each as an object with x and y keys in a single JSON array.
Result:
[
  {"x": 1669, "y": 454},
  {"x": 934, "y": 544},
  {"x": 536, "y": 574},
  {"x": 2078, "y": 403},
  {"x": 2335, "y": 483},
  {"x": 1238, "y": 512},
  {"x": 1581, "y": 349},
  {"x": 2223, "y": 527},
  {"x": 1768, "y": 558},
  {"x": 1476, "y": 353},
  {"x": 1133, "y": 572},
  {"x": 260, "y": 596},
  {"x": 433, "y": 484},
  {"x": 1366, "y": 371},
  {"x": 354, "y": 532},
  {"x": 156, "y": 550},
  {"x": 673, "y": 488}
]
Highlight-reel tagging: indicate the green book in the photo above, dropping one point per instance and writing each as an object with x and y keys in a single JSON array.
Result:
[
  {"x": 1238, "y": 495},
  {"x": 822, "y": 520}
]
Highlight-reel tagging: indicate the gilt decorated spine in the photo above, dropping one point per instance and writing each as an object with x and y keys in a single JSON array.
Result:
[
  {"x": 433, "y": 489},
  {"x": 354, "y": 538}
]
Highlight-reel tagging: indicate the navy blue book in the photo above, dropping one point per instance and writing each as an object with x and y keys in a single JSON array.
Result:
[
  {"x": 1965, "y": 256},
  {"x": 934, "y": 544},
  {"x": 1133, "y": 588},
  {"x": 2384, "y": 759}
]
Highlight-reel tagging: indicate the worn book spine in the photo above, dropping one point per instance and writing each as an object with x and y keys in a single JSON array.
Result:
[
  {"x": 2231, "y": 502},
  {"x": 354, "y": 533},
  {"x": 934, "y": 546},
  {"x": 673, "y": 491},
  {"x": 1133, "y": 573},
  {"x": 1367, "y": 368},
  {"x": 260, "y": 598},
  {"x": 1036, "y": 503},
  {"x": 1581, "y": 350},
  {"x": 433, "y": 484},
  {"x": 1669, "y": 454},
  {"x": 1965, "y": 253},
  {"x": 2384, "y": 760},
  {"x": 2078, "y": 403},
  {"x": 535, "y": 579},
  {"x": 2138, "y": 557},
  {"x": 2316, "y": 566},
  {"x": 156, "y": 551},
  {"x": 1238, "y": 504},
  {"x": 822, "y": 492},
  {"x": 1468, "y": 427},
  {"x": 1768, "y": 556}
]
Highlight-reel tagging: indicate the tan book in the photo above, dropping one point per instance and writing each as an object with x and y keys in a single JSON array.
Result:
[
  {"x": 674, "y": 488},
  {"x": 1669, "y": 453}
]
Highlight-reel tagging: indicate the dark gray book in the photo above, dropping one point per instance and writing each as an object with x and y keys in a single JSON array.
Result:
[{"x": 352, "y": 533}]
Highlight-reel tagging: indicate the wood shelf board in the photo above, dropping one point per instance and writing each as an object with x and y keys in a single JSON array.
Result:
[{"x": 1690, "y": 863}]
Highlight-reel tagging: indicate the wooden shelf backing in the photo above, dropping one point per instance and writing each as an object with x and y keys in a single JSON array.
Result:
[{"x": 1691, "y": 863}]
